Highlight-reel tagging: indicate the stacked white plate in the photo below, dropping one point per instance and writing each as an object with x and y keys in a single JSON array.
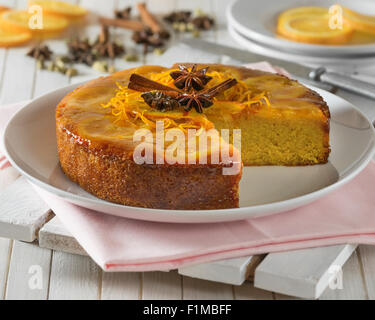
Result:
[{"x": 253, "y": 26}]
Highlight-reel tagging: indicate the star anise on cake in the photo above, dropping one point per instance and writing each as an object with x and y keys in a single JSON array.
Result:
[
  {"x": 185, "y": 79},
  {"x": 165, "y": 98},
  {"x": 160, "y": 101},
  {"x": 201, "y": 100}
]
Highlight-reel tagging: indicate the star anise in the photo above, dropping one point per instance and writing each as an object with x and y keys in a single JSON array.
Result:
[
  {"x": 178, "y": 16},
  {"x": 203, "y": 22},
  {"x": 160, "y": 101},
  {"x": 40, "y": 52},
  {"x": 104, "y": 47},
  {"x": 198, "y": 101},
  {"x": 185, "y": 79}
]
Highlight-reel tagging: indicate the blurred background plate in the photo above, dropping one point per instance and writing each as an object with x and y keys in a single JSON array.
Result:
[
  {"x": 344, "y": 64},
  {"x": 260, "y": 25}
]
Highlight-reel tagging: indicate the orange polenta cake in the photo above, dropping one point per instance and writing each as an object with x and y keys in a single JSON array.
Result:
[{"x": 177, "y": 138}]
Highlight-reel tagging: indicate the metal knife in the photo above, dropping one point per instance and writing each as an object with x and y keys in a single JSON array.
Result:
[{"x": 320, "y": 77}]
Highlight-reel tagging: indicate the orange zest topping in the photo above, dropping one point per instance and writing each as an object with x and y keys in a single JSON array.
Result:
[
  {"x": 240, "y": 92},
  {"x": 127, "y": 105}
]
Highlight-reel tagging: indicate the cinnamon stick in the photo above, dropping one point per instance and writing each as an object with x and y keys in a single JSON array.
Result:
[
  {"x": 140, "y": 83},
  {"x": 148, "y": 18},
  {"x": 133, "y": 25}
]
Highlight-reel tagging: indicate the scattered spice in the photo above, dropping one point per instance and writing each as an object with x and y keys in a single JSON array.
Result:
[
  {"x": 40, "y": 64},
  {"x": 130, "y": 57},
  {"x": 186, "y": 80},
  {"x": 203, "y": 22},
  {"x": 40, "y": 52},
  {"x": 104, "y": 47},
  {"x": 196, "y": 34},
  {"x": 51, "y": 66},
  {"x": 71, "y": 72},
  {"x": 111, "y": 69},
  {"x": 146, "y": 36},
  {"x": 151, "y": 22},
  {"x": 158, "y": 51},
  {"x": 123, "y": 14},
  {"x": 101, "y": 66},
  {"x": 186, "y": 21},
  {"x": 160, "y": 101},
  {"x": 80, "y": 51},
  {"x": 178, "y": 16}
]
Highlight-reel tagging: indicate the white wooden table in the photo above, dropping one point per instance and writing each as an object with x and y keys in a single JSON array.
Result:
[{"x": 68, "y": 276}]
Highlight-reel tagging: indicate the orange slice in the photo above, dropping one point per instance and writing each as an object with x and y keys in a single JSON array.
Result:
[
  {"x": 311, "y": 25},
  {"x": 2, "y": 8},
  {"x": 18, "y": 21},
  {"x": 13, "y": 39},
  {"x": 59, "y": 8},
  {"x": 358, "y": 21}
]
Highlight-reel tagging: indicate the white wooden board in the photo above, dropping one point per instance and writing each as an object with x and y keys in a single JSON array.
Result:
[
  {"x": 302, "y": 273},
  {"x": 348, "y": 288},
  {"x": 22, "y": 211},
  {"x": 53, "y": 235},
  {"x": 29, "y": 272},
  {"x": 74, "y": 277},
  {"x": 231, "y": 271}
]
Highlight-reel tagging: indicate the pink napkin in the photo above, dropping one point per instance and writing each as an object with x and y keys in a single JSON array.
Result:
[{"x": 118, "y": 244}]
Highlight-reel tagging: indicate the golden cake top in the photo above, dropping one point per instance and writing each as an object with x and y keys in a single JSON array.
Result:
[{"x": 108, "y": 111}]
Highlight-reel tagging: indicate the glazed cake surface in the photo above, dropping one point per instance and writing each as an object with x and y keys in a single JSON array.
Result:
[{"x": 282, "y": 123}]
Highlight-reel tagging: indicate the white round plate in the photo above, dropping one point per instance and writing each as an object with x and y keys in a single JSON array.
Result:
[
  {"x": 30, "y": 145},
  {"x": 345, "y": 64},
  {"x": 259, "y": 24}
]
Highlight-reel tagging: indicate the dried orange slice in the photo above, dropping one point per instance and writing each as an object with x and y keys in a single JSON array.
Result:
[
  {"x": 18, "y": 21},
  {"x": 358, "y": 21},
  {"x": 59, "y": 8},
  {"x": 311, "y": 25},
  {"x": 13, "y": 39}
]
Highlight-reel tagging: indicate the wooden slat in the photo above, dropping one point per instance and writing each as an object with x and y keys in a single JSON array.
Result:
[
  {"x": 22, "y": 211},
  {"x": 47, "y": 81},
  {"x": 53, "y": 235},
  {"x": 247, "y": 291},
  {"x": 73, "y": 277},
  {"x": 301, "y": 273},
  {"x": 367, "y": 255},
  {"x": 161, "y": 285},
  {"x": 18, "y": 77},
  {"x": 5, "y": 251},
  {"x": 28, "y": 264},
  {"x": 353, "y": 283},
  {"x": 121, "y": 286},
  {"x": 196, "y": 289},
  {"x": 230, "y": 271}
]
